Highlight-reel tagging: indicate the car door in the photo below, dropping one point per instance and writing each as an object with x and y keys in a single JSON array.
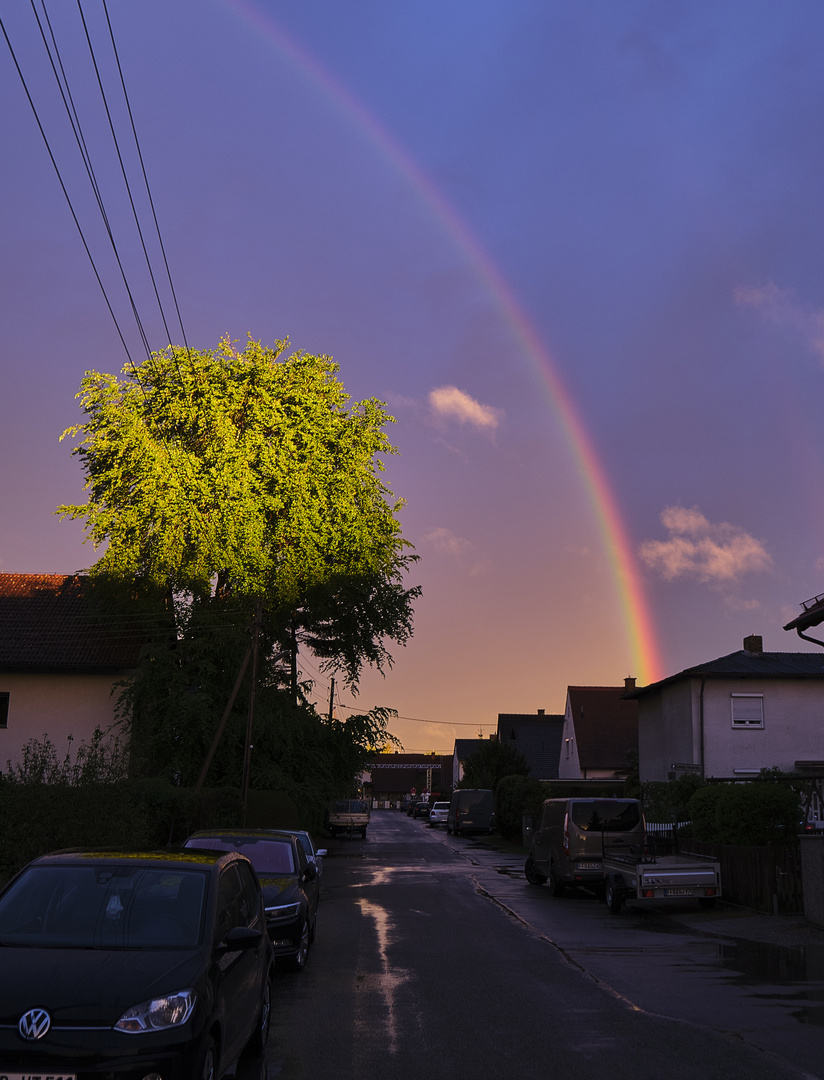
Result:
[{"x": 239, "y": 971}]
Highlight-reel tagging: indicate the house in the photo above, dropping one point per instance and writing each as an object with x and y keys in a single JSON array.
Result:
[
  {"x": 59, "y": 660},
  {"x": 538, "y": 737},
  {"x": 600, "y": 733},
  {"x": 464, "y": 749},
  {"x": 733, "y": 716}
]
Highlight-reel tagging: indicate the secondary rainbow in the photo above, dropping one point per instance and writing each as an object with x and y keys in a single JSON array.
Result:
[{"x": 627, "y": 582}]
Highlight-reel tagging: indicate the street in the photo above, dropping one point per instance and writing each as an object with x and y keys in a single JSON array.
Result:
[{"x": 434, "y": 956}]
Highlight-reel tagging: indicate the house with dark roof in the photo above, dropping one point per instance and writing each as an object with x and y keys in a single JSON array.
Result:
[
  {"x": 538, "y": 737},
  {"x": 733, "y": 716},
  {"x": 600, "y": 732},
  {"x": 464, "y": 749},
  {"x": 60, "y": 657}
]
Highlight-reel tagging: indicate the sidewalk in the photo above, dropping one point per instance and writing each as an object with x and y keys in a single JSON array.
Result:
[{"x": 790, "y": 931}]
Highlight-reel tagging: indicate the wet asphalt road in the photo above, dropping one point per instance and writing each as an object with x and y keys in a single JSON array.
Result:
[{"x": 434, "y": 957}]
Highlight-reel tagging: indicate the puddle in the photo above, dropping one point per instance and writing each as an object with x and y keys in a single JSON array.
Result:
[{"x": 763, "y": 963}]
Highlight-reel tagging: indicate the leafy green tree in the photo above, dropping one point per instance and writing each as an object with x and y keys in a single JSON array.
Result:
[
  {"x": 490, "y": 763},
  {"x": 225, "y": 475}
]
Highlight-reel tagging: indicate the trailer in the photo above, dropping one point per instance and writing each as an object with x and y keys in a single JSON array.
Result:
[
  {"x": 645, "y": 875},
  {"x": 348, "y": 816}
]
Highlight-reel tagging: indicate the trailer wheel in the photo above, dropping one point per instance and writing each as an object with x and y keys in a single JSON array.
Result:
[
  {"x": 706, "y": 902},
  {"x": 614, "y": 897}
]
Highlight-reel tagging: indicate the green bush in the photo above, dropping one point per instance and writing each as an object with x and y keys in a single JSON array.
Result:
[
  {"x": 702, "y": 810},
  {"x": 514, "y": 796},
  {"x": 756, "y": 813}
]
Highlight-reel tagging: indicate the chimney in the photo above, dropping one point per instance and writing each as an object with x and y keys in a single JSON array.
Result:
[
  {"x": 541, "y": 712},
  {"x": 753, "y": 643},
  {"x": 629, "y": 682}
]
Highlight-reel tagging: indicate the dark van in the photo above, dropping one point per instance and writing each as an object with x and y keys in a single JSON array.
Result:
[
  {"x": 470, "y": 811},
  {"x": 567, "y": 845}
]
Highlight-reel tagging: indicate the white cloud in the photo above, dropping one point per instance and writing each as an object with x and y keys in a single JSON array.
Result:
[
  {"x": 445, "y": 542},
  {"x": 703, "y": 550},
  {"x": 779, "y": 306},
  {"x": 449, "y": 402}
]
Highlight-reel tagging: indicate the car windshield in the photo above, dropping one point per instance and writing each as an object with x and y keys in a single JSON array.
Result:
[
  {"x": 267, "y": 856},
  {"x": 100, "y": 906},
  {"x": 606, "y": 815},
  {"x": 441, "y": 806},
  {"x": 350, "y": 806}
]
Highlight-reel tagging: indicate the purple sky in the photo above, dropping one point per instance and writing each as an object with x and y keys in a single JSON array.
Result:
[{"x": 644, "y": 178}]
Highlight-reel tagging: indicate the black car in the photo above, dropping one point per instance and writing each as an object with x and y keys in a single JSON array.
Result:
[
  {"x": 126, "y": 966},
  {"x": 290, "y": 883}
]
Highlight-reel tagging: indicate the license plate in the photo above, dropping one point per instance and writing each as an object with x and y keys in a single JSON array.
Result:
[
  {"x": 36, "y": 1076},
  {"x": 667, "y": 892}
]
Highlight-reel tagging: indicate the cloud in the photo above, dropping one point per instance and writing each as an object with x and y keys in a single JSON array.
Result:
[
  {"x": 448, "y": 402},
  {"x": 780, "y": 307},
  {"x": 700, "y": 549},
  {"x": 445, "y": 542}
]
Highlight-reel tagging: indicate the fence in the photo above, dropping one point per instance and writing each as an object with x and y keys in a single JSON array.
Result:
[{"x": 764, "y": 878}]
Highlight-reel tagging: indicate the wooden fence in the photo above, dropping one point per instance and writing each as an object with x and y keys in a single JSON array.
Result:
[{"x": 764, "y": 878}]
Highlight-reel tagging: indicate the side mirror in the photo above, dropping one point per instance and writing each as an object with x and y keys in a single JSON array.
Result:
[
  {"x": 239, "y": 939},
  {"x": 321, "y": 852}
]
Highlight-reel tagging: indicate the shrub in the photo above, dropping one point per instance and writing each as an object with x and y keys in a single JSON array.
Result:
[{"x": 514, "y": 796}]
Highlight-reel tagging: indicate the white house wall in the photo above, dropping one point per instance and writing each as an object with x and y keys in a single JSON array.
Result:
[
  {"x": 54, "y": 705},
  {"x": 569, "y": 765},
  {"x": 669, "y": 727},
  {"x": 666, "y": 732},
  {"x": 793, "y": 726}
]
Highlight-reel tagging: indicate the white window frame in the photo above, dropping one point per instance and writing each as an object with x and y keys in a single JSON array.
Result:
[{"x": 748, "y": 722}]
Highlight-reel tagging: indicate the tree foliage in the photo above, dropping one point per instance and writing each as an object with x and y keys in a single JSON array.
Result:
[
  {"x": 248, "y": 475},
  {"x": 490, "y": 763}
]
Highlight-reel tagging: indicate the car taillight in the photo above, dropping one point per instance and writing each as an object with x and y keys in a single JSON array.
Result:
[{"x": 566, "y": 834}]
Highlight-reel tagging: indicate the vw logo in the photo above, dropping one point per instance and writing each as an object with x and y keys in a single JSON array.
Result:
[{"x": 34, "y": 1024}]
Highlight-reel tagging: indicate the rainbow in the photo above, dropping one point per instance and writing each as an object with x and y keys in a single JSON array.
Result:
[{"x": 623, "y": 568}]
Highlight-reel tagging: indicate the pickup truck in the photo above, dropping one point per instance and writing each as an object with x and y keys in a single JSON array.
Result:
[
  {"x": 637, "y": 874},
  {"x": 348, "y": 816}
]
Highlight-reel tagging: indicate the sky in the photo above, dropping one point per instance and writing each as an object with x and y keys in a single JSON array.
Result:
[{"x": 576, "y": 249}]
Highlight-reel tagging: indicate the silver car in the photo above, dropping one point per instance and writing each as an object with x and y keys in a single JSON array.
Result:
[{"x": 437, "y": 815}]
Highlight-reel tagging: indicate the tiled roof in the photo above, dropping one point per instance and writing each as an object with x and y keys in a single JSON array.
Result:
[
  {"x": 744, "y": 664},
  {"x": 47, "y": 623},
  {"x": 537, "y": 737},
  {"x": 606, "y": 725}
]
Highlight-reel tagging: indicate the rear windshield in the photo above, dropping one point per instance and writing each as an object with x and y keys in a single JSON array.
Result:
[
  {"x": 606, "y": 815},
  {"x": 108, "y": 907},
  {"x": 267, "y": 856}
]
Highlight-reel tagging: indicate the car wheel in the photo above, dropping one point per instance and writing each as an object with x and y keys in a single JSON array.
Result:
[
  {"x": 363, "y": 833},
  {"x": 302, "y": 955},
  {"x": 615, "y": 898},
  {"x": 260, "y": 1036},
  {"x": 556, "y": 886},
  {"x": 533, "y": 876},
  {"x": 208, "y": 1069}
]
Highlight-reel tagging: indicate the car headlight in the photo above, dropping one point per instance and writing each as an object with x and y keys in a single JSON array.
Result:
[
  {"x": 283, "y": 911},
  {"x": 159, "y": 1013}
]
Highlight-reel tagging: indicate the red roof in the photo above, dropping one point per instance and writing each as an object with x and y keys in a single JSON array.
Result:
[
  {"x": 48, "y": 623},
  {"x": 606, "y": 725}
]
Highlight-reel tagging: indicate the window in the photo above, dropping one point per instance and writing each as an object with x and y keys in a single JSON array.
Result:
[
  {"x": 4, "y": 709},
  {"x": 747, "y": 710}
]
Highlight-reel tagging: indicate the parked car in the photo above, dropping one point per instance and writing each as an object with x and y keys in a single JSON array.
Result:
[
  {"x": 567, "y": 846},
  {"x": 132, "y": 965},
  {"x": 313, "y": 854},
  {"x": 289, "y": 881},
  {"x": 437, "y": 815},
  {"x": 471, "y": 810},
  {"x": 422, "y": 809}
]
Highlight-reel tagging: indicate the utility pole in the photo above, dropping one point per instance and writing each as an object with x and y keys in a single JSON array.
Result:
[
  {"x": 247, "y": 749},
  {"x": 331, "y": 698}
]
